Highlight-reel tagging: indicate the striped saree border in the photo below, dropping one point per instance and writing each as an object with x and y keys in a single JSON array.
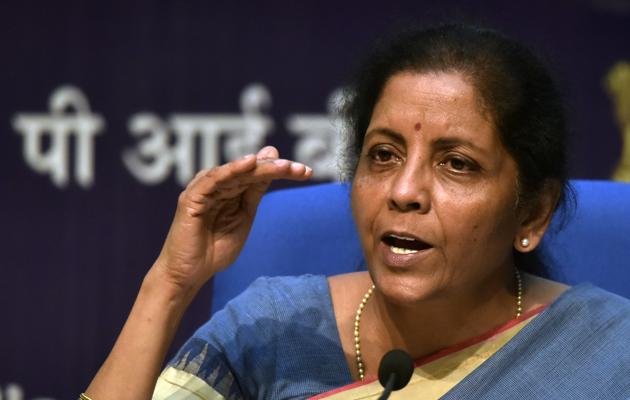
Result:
[
  {"x": 175, "y": 384},
  {"x": 438, "y": 373}
]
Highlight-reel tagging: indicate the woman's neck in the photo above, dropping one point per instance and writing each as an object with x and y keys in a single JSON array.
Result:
[{"x": 436, "y": 323}]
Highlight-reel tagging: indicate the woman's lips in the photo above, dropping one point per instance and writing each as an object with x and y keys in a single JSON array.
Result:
[{"x": 401, "y": 257}]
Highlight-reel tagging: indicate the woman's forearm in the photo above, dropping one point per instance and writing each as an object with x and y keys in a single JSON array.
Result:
[
  {"x": 213, "y": 217},
  {"x": 132, "y": 367}
]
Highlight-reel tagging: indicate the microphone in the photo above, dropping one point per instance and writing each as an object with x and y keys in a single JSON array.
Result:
[{"x": 394, "y": 371}]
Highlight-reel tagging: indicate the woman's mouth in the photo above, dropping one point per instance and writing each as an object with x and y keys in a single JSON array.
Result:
[
  {"x": 402, "y": 250},
  {"x": 402, "y": 244}
]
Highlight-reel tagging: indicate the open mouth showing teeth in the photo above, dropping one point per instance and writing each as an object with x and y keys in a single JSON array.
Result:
[{"x": 404, "y": 245}]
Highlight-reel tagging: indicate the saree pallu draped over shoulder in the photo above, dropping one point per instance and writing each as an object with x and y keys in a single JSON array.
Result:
[
  {"x": 435, "y": 375},
  {"x": 279, "y": 340},
  {"x": 578, "y": 348}
]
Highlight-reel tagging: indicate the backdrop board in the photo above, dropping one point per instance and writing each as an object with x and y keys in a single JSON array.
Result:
[{"x": 108, "y": 108}]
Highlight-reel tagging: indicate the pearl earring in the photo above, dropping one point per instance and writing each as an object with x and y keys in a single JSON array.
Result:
[{"x": 525, "y": 242}]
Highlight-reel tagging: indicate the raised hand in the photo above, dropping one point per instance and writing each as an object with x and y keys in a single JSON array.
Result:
[{"x": 215, "y": 213}]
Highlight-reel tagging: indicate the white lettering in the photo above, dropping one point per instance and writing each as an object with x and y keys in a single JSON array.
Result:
[
  {"x": 69, "y": 115},
  {"x": 319, "y": 138},
  {"x": 155, "y": 157},
  {"x": 151, "y": 162}
]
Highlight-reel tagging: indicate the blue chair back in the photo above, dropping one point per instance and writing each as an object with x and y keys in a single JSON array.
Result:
[
  {"x": 310, "y": 230},
  {"x": 594, "y": 245}
]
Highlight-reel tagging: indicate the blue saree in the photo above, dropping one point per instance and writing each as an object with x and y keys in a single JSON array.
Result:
[{"x": 279, "y": 340}]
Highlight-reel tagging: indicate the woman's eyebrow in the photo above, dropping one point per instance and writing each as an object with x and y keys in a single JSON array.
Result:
[
  {"x": 445, "y": 143},
  {"x": 395, "y": 136}
]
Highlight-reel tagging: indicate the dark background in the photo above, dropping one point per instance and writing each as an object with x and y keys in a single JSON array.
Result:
[{"x": 72, "y": 258}]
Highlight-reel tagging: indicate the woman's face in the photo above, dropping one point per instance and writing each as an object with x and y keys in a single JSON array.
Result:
[{"x": 434, "y": 194}]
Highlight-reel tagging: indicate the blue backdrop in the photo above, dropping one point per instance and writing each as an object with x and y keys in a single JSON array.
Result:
[{"x": 108, "y": 107}]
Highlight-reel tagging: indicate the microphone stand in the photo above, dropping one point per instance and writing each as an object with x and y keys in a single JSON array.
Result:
[{"x": 388, "y": 387}]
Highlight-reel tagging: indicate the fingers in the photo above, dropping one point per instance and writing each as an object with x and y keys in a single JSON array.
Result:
[
  {"x": 267, "y": 152},
  {"x": 252, "y": 174},
  {"x": 222, "y": 184},
  {"x": 264, "y": 170},
  {"x": 256, "y": 190},
  {"x": 278, "y": 169},
  {"x": 266, "y": 167}
]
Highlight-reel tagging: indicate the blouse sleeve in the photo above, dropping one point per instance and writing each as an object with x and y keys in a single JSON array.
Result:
[
  {"x": 278, "y": 339},
  {"x": 213, "y": 363},
  {"x": 198, "y": 371}
]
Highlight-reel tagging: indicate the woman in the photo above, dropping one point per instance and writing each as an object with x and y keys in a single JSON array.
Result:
[{"x": 457, "y": 157}]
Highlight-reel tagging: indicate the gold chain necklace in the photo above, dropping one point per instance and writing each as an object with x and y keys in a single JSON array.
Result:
[{"x": 366, "y": 297}]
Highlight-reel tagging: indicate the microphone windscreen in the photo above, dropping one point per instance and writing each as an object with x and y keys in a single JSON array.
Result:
[{"x": 397, "y": 362}]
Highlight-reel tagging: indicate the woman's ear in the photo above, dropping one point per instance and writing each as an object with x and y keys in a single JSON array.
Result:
[{"x": 535, "y": 217}]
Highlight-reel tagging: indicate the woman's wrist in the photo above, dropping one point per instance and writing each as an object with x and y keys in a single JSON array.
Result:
[{"x": 157, "y": 285}]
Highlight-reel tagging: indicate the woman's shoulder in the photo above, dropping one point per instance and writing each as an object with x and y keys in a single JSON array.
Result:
[
  {"x": 272, "y": 308},
  {"x": 597, "y": 302},
  {"x": 305, "y": 289},
  {"x": 584, "y": 309},
  {"x": 590, "y": 298},
  {"x": 284, "y": 295},
  {"x": 270, "y": 296},
  {"x": 262, "y": 337},
  {"x": 289, "y": 283}
]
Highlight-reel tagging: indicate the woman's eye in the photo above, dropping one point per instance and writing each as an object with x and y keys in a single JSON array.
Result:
[
  {"x": 459, "y": 164},
  {"x": 381, "y": 155}
]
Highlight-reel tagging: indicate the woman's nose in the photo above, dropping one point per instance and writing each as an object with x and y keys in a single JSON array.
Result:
[{"x": 410, "y": 191}]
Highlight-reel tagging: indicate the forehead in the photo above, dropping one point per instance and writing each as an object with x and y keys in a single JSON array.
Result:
[{"x": 443, "y": 102}]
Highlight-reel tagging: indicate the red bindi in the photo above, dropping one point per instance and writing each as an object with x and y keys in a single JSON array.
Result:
[{"x": 418, "y": 126}]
